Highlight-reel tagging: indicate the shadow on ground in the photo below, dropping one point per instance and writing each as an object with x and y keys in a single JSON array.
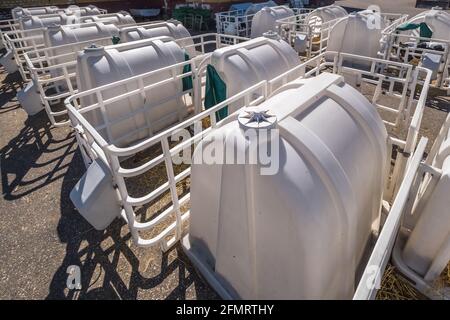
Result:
[
  {"x": 35, "y": 148},
  {"x": 438, "y": 100},
  {"x": 111, "y": 266},
  {"x": 8, "y": 90}
]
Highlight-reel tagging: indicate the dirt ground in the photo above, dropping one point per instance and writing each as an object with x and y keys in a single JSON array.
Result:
[{"x": 42, "y": 234}]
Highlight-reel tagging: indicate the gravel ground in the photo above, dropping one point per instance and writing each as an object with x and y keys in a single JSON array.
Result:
[{"x": 42, "y": 234}]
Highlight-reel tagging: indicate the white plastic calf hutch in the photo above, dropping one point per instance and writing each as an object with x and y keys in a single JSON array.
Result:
[
  {"x": 29, "y": 35},
  {"x": 149, "y": 98},
  {"x": 234, "y": 239},
  {"x": 265, "y": 19},
  {"x": 423, "y": 40},
  {"x": 170, "y": 28},
  {"x": 363, "y": 33},
  {"x": 13, "y": 24},
  {"x": 33, "y": 11},
  {"x": 89, "y": 10},
  {"x": 60, "y": 35},
  {"x": 117, "y": 62},
  {"x": 118, "y": 18},
  {"x": 21, "y": 41},
  {"x": 35, "y": 22},
  {"x": 308, "y": 32},
  {"x": 311, "y": 220},
  {"x": 437, "y": 20},
  {"x": 232, "y": 69},
  {"x": 249, "y": 56},
  {"x": 359, "y": 33},
  {"x": 19, "y": 12},
  {"x": 61, "y": 44},
  {"x": 320, "y": 18},
  {"x": 325, "y": 14}
]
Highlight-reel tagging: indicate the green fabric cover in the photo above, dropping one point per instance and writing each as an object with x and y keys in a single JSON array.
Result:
[
  {"x": 425, "y": 31},
  {"x": 187, "y": 81},
  {"x": 115, "y": 40},
  {"x": 215, "y": 91}
]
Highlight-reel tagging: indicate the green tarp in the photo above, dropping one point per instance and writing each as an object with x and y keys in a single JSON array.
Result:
[
  {"x": 187, "y": 81},
  {"x": 215, "y": 91},
  {"x": 425, "y": 31},
  {"x": 115, "y": 40}
]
